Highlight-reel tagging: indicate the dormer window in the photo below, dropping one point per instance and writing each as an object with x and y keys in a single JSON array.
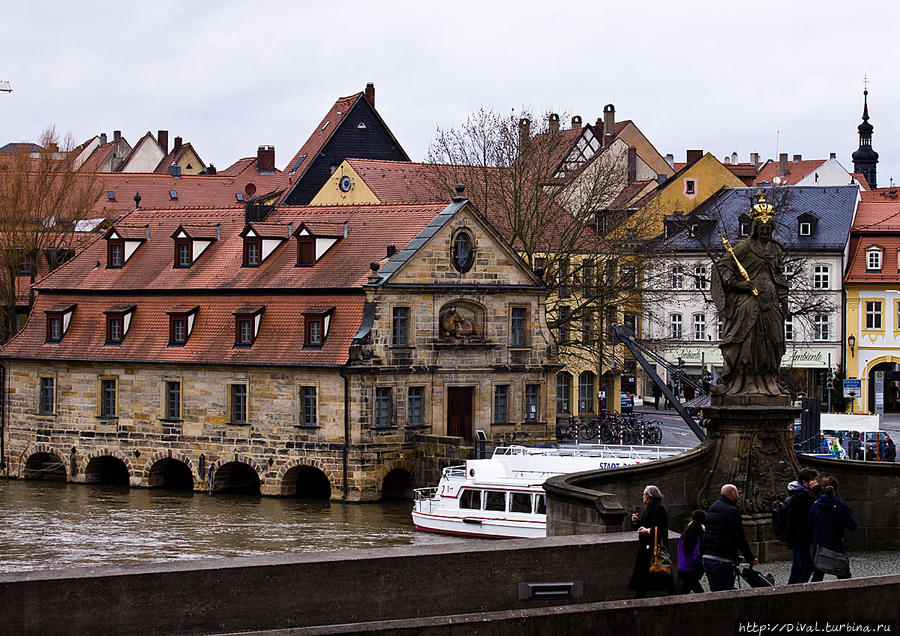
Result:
[
  {"x": 873, "y": 259},
  {"x": 110, "y": 195},
  {"x": 314, "y": 239},
  {"x": 246, "y": 324},
  {"x": 191, "y": 241},
  {"x": 806, "y": 224},
  {"x": 260, "y": 241},
  {"x": 316, "y": 321},
  {"x": 805, "y": 229},
  {"x": 181, "y": 323},
  {"x": 182, "y": 253},
  {"x": 121, "y": 243},
  {"x": 58, "y": 319},
  {"x": 173, "y": 194},
  {"x": 744, "y": 225},
  {"x": 116, "y": 250},
  {"x": 118, "y": 320}
]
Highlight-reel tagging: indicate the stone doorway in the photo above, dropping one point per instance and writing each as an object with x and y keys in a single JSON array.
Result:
[{"x": 459, "y": 412}]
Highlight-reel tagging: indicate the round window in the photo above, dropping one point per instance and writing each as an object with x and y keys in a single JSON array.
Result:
[
  {"x": 345, "y": 183},
  {"x": 463, "y": 254}
]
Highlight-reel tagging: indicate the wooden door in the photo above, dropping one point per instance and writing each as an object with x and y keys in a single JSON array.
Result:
[{"x": 459, "y": 412}]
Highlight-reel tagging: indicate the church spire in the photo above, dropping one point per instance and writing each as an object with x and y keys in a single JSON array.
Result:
[{"x": 865, "y": 159}]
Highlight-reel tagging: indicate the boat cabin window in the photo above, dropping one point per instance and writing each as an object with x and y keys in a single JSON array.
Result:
[
  {"x": 495, "y": 500},
  {"x": 541, "y": 502},
  {"x": 470, "y": 499},
  {"x": 520, "y": 502}
]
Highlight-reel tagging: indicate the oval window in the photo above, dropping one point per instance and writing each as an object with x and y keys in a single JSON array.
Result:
[
  {"x": 463, "y": 255},
  {"x": 345, "y": 184}
]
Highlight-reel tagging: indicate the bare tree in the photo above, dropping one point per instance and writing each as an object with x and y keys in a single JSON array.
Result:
[{"x": 42, "y": 198}]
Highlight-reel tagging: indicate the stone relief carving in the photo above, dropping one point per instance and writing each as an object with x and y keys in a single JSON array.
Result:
[{"x": 461, "y": 321}]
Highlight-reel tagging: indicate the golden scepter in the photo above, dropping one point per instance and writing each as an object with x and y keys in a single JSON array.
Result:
[{"x": 740, "y": 267}]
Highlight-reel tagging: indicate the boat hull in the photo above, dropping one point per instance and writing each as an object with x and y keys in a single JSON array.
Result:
[{"x": 484, "y": 527}]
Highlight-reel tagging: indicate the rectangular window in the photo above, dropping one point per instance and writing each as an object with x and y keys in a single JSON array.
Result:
[
  {"x": 789, "y": 329},
  {"x": 631, "y": 321},
  {"x": 45, "y": 403},
  {"x": 562, "y": 327},
  {"x": 587, "y": 330},
  {"x": 873, "y": 260},
  {"x": 183, "y": 254},
  {"x": 520, "y": 502},
  {"x": 690, "y": 186},
  {"x": 563, "y": 391},
  {"x": 820, "y": 326},
  {"x": 701, "y": 279},
  {"x": 400, "y": 331},
  {"x": 677, "y": 277},
  {"x": 564, "y": 290},
  {"x": 610, "y": 321},
  {"x": 821, "y": 275},
  {"x": 306, "y": 251},
  {"x": 115, "y": 255},
  {"x": 719, "y": 325},
  {"x": 873, "y": 314},
  {"x": 382, "y": 407},
  {"x": 107, "y": 398},
  {"x": 114, "y": 329},
  {"x": 414, "y": 406},
  {"x": 179, "y": 330},
  {"x": 245, "y": 331},
  {"x": 238, "y": 403},
  {"x": 587, "y": 278},
  {"x": 629, "y": 276},
  {"x": 173, "y": 400},
  {"x": 501, "y": 404},
  {"x": 805, "y": 229},
  {"x": 308, "y": 406},
  {"x": 251, "y": 253},
  {"x": 470, "y": 499},
  {"x": 675, "y": 327},
  {"x": 54, "y": 328},
  {"x": 788, "y": 272},
  {"x": 586, "y": 392},
  {"x": 495, "y": 500},
  {"x": 313, "y": 332},
  {"x": 517, "y": 327},
  {"x": 531, "y": 402},
  {"x": 540, "y": 504},
  {"x": 699, "y": 327}
]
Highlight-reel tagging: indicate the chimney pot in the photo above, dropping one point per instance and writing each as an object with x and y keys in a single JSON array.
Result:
[
  {"x": 693, "y": 155},
  {"x": 524, "y": 131},
  {"x": 754, "y": 158},
  {"x": 782, "y": 164},
  {"x": 798, "y": 157},
  {"x": 576, "y": 122},
  {"x": 554, "y": 123},
  {"x": 727, "y": 160},
  {"x": 609, "y": 122},
  {"x": 265, "y": 159},
  {"x": 391, "y": 250},
  {"x": 177, "y": 144},
  {"x": 832, "y": 155},
  {"x": 117, "y": 135},
  {"x": 102, "y": 138},
  {"x": 670, "y": 159},
  {"x": 163, "y": 138},
  {"x": 210, "y": 169},
  {"x": 370, "y": 94},
  {"x": 734, "y": 157}
]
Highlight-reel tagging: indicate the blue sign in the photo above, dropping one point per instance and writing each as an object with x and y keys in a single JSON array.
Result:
[{"x": 852, "y": 387}]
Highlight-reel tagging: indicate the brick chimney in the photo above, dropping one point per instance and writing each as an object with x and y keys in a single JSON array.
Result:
[
  {"x": 782, "y": 164},
  {"x": 554, "y": 123},
  {"x": 117, "y": 135},
  {"x": 163, "y": 138},
  {"x": 632, "y": 164},
  {"x": 798, "y": 157},
  {"x": 609, "y": 122},
  {"x": 370, "y": 94},
  {"x": 693, "y": 155},
  {"x": 102, "y": 139},
  {"x": 754, "y": 158},
  {"x": 576, "y": 122},
  {"x": 524, "y": 132},
  {"x": 177, "y": 144},
  {"x": 265, "y": 159},
  {"x": 832, "y": 155}
]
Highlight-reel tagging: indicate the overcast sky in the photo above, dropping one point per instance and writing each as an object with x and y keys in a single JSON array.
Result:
[{"x": 229, "y": 76}]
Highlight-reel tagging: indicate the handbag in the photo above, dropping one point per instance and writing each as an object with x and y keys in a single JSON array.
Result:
[
  {"x": 831, "y": 562},
  {"x": 660, "y": 561}
]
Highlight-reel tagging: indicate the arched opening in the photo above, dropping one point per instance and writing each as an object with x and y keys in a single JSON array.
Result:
[
  {"x": 236, "y": 478},
  {"x": 107, "y": 470},
  {"x": 46, "y": 466},
  {"x": 891, "y": 392},
  {"x": 171, "y": 474},
  {"x": 397, "y": 484},
  {"x": 306, "y": 482}
]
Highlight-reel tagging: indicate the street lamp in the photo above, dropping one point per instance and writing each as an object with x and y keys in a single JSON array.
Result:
[{"x": 851, "y": 342}]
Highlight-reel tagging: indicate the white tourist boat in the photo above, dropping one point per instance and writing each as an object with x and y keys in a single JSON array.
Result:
[{"x": 503, "y": 497}]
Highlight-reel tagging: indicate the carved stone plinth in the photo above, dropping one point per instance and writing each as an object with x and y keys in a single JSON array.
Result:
[{"x": 753, "y": 449}]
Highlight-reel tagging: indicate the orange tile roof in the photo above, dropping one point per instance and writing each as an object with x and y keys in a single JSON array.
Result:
[
  {"x": 861, "y": 178},
  {"x": 875, "y": 215},
  {"x": 279, "y": 341},
  {"x": 856, "y": 271},
  {"x": 796, "y": 170},
  {"x": 402, "y": 181},
  {"x": 95, "y": 160},
  {"x": 880, "y": 194}
]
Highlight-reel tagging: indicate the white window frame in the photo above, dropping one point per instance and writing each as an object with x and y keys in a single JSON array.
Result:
[
  {"x": 789, "y": 329},
  {"x": 805, "y": 228},
  {"x": 676, "y": 326},
  {"x": 821, "y": 277},
  {"x": 821, "y": 327},
  {"x": 677, "y": 277},
  {"x": 873, "y": 260},
  {"x": 874, "y": 315},
  {"x": 698, "y": 323},
  {"x": 701, "y": 277}
]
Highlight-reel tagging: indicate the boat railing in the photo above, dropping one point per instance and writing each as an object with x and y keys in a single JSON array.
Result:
[
  {"x": 425, "y": 493},
  {"x": 645, "y": 453}
]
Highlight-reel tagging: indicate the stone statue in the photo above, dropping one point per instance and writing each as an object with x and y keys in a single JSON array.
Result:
[
  {"x": 750, "y": 292},
  {"x": 455, "y": 326}
]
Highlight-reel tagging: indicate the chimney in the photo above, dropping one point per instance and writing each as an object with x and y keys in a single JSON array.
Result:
[
  {"x": 102, "y": 139},
  {"x": 734, "y": 157},
  {"x": 177, "y": 144},
  {"x": 609, "y": 122},
  {"x": 163, "y": 138},
  {"x": 576, "y": 122},
  {"x": 117, "y": 135},
  {"x": 265, "y": 159},
  {"x": 524, "y": 132},
  {"x": 727, "y": 160},
  {"x": 370, "y": 94},
  {"x": 754, "y": 158},
  {"x": 52, "y": 147},
  {"x": 210, "y": 169},
  {"x": 782, "y": 164},
  {"x": 693, "y": 155},
  {"x": 670, "y": 159},
  {"x": 632, "y": 164},
  {"x": 391, "y": 250},
  {"x": 798, "y": 157},
  {"x": 554, "y": 123},
  {"x": 832, "y": 155}
]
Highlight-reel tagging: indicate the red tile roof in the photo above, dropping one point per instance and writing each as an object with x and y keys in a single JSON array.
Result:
[
  {"x": 796, "y": 170},
  {"x": 857, "y": 273},
  {"x": 880, "y": 194},
  {"x": 95, "y": 160},
  {"x": 279, "y": 341},
  {"x": 403, "y": 181},
  {"x": 321, "y": 134},
  {"x": 861, "y": 178},
  {"x": 874, "y": 215}
]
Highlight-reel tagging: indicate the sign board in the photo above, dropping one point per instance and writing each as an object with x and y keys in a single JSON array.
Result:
[
  {"x": 852, "y": 387},
  {"x": 879, "y": 395}
]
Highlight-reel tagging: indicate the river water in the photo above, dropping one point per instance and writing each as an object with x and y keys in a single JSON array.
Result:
[{"x": 53, "y": 525}]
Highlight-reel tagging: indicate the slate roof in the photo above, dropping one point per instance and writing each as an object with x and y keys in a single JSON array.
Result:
[
  {"x": 321, "y": 135},
  {"x": 834, "y": 207},
  {"x": 15, "y": 148}
]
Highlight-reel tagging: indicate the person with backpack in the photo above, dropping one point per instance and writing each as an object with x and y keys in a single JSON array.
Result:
[
  {"x": 829, "y": 517},
  {"x": 690, "y": 567},
  {"x": 791, "y": 523}
]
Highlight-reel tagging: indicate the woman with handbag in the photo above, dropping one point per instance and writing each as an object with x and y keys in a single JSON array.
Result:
[
  {"x": 829, "y": 517},
  {"x": 652, "y": 567}
]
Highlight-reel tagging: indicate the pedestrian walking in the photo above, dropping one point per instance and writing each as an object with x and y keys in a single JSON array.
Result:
[
  {"x": 657, "y": 393},
  {"x": 802, "y": 493},
  {"x": 723, "y": 538},
  {"x": 690, "y": 566},
  {"x": 829, "y": 517},
  {"x": 890, "y": 450},
  {"x": 653, "y": 531},
  {"x": 668, "y": 402},
  {"x": 856, "y": 451}
]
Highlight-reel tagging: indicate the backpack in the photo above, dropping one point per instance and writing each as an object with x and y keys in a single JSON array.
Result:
[{"x": 781, "y": 519}]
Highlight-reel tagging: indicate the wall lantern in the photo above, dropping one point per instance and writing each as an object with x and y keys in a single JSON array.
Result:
[{"x": 851, "y": 342}]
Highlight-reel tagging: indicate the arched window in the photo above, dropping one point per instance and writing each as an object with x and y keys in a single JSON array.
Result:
[
  {"x": 563, "y": 392},
  {"x": 586, "y": 392},
  {"x": 463, "y": 252}
]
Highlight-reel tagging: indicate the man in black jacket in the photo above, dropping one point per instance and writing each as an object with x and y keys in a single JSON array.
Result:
[
  {"x": 803, "y": 493},
  {"x": 723, "y": 537}
]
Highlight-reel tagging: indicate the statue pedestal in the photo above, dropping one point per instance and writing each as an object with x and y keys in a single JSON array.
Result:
[{"x": 753, "y": 449}]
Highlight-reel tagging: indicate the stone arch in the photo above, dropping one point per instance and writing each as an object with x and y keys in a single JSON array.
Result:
[
  {"x": 867, "y": 388},
  {"x": 45, "y": 462},
  {"x": 105, "y": 454},
  {"x": 289, "y": 488},
  {"x": 238, "y": 474},
  {"x": 395, "y": 479},
  {"x": 172, "y": 470}
]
